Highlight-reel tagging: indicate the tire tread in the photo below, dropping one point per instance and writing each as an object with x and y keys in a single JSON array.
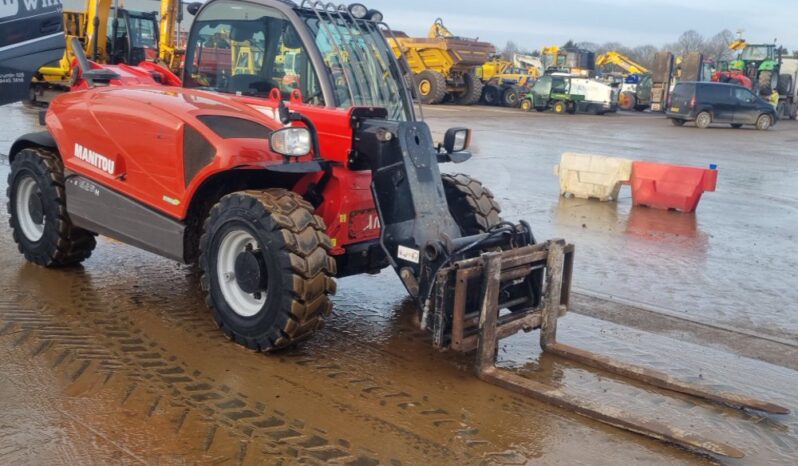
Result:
[{"x": 308, "y": 266}]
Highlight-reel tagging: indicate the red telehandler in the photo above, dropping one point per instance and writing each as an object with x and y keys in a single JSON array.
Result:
[{"x": 276, "y": 186}]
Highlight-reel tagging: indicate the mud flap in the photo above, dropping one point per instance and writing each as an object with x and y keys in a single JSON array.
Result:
[{"x": 481, "y": 330}]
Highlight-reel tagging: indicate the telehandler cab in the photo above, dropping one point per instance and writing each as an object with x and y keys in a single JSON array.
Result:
[{"x": 277, "y": 186}]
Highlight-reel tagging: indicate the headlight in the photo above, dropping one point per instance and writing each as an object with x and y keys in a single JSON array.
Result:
[
  {"x": 358, "y": 10},
  {"x": 290, "y": 142},
  {"x": 375, "y": 16},
  {"x": 456, "y": 139}
]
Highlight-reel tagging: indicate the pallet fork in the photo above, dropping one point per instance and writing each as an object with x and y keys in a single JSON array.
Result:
[
  {"x": 474, "y": 290},
  {"x": 481, "y": 330}
]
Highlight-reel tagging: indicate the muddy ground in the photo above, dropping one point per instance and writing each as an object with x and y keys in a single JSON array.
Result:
[{"x": 118, "y": 362}]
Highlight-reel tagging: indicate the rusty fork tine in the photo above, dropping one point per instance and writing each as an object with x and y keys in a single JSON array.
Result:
[
  {"x": 661, "y": 379},
  {"x": 606, "y": 414},
  {"x": 558, "y": 265}
]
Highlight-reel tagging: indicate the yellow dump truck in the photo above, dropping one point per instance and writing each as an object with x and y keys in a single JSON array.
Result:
[{"x": 444, "y": 65}]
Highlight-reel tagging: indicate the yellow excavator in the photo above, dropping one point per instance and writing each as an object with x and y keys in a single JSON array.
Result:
[
  {"x": 620, "y": 60},
  {"x": 636, "y": 87},
  {"x": 110, "y": 34}
]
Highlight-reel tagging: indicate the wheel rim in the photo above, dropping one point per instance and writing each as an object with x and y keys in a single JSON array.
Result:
[
  {"x": 242, "y": 303},
  {"x": 764, "y": 122},
  {"x": 30, "y": 210},
  {"x": 703, "y": 119},
  {"x": 559, "y": 108},
  {"x": 525, "y": 105},
  {"x": 424, "y": 87}
]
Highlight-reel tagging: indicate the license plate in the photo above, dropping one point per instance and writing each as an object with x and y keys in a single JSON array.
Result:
[{"x": 674, "y": 109}]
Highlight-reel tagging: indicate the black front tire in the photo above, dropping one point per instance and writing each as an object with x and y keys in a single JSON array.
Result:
[
  {"x": 471, "y": 204},
  {"x": 764, "y": 122},
  {"x": 510, "y": 97},
  {"x": 431, "y": 87},
  {"x": 475, "y": 211},
  {"x": 41, "y": 227},
  {"x": 293, "y": 248}
]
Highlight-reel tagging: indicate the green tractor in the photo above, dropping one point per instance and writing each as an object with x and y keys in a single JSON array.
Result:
[{"x": 761, "y": 63}]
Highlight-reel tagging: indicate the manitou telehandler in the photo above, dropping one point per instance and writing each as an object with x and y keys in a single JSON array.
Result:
[{"x": 276, "y": 187}]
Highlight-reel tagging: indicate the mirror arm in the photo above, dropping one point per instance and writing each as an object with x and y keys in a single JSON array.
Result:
[{"x": 287, "y": 116}]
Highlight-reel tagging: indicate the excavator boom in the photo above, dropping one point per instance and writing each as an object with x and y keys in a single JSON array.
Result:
[{"x": 621, "y": 61}]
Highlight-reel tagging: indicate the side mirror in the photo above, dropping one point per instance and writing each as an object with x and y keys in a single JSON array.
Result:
[
  {"x": 193, "y": 8},
  {"x": 456, "y": 140}
]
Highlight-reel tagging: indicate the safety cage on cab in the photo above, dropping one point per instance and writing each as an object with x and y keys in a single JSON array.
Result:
[{"x": 333, "y": 58}]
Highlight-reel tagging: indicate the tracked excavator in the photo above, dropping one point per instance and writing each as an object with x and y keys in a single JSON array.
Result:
[{"x": 275, "y": 190}]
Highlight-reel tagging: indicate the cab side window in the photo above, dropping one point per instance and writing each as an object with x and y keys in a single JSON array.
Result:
[
  {"x": 744, "y": 95},
  {"x": 249, "y": 50}
]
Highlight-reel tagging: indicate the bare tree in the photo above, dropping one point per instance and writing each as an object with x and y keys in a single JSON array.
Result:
[
  {"x": 592, "y": 46},
  {"x": 509, "y": 50},
  {"x": 717, "y": 48},
  {"x": 689, "y": 41},
  {"x": 644, "y": 54}
]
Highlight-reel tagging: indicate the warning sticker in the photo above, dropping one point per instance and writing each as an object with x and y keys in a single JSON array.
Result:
[{"x": 408, "y": 254}]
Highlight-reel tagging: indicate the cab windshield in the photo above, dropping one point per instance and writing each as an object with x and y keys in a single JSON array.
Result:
[
  {"x": 755, "y": 53},
  {"x": 361, "y": 65}
]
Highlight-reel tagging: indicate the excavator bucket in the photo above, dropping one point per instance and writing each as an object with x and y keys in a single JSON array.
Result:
[{"x": 480, "y": 329}]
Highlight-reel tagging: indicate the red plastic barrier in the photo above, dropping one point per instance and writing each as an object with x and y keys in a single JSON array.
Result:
[{"x": 664, "y": 186}]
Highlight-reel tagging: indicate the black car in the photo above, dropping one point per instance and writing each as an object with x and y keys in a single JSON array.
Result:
[{"x": 709, "y": 102}]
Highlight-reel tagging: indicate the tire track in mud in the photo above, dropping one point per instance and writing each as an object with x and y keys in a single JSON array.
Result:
[
  {"x": 149, "y": 374},
  {"x": 425, "y": 423},
  {"x": 348, "y": 375}
]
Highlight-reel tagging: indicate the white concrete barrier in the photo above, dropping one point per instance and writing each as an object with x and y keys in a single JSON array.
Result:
[{"x": 588, "y": 176}]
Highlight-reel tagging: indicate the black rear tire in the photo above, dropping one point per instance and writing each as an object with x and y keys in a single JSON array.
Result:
[
  {"x": 785, "y": 84},
  {"x": 703, "y": 120},
  {"x": 491, "y": 94},
  {"x": 292, "y": 248},
  {"x": 766, "y": 83},
  {"x": 473, "y": 90},
  {"x": 41, "y": 226}
]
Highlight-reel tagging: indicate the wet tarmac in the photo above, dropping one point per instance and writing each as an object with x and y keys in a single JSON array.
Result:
[{"x": 118, "y": 362}]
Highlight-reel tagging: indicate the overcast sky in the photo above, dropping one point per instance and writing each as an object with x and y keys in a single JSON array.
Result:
[{"x": 535, "y": 23}]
